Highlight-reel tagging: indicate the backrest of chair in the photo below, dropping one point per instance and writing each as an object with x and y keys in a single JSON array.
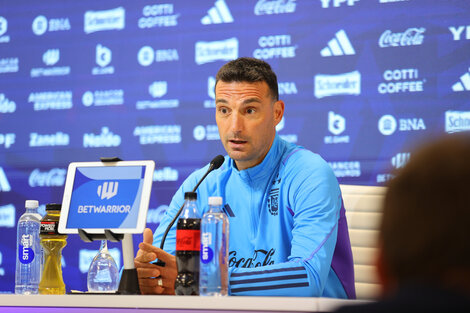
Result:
[{"x": 363, "y": 205}]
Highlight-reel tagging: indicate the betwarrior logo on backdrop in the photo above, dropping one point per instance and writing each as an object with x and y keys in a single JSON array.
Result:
[
  {"x": 50, "y": 58},
  {"x": 275, "y": 47},
  {"x": 103, "y": 97},
  {"x": 158, "y": 134},
  {"x": 52, "y": 178},
  {"x": 157, "y": 89},
  {"x": 457, "y": 121},
  {"x": 9, "y": 65},
  {"x": 7, "y": 216},
  {"x": 207, "y": 132},
  {"x": 49, "y": 140},
  {"x": 146, "y": 55},
  {"x": 219, "y": 13},
  {"x": 339, "y": 45},
  {"x": 211, "y": 51},
  {"x": 335, "y": 85},
  {"x": 42, "y": 24},
  {"x": 388, "y": 124},
  {"x": 336, "y": 126},
  {"x": 463, "y": 84},
  {"x": 112, "y": 19},
  {"x": 158, "y": 15},
  {"x": 397, "y": 161},
  {"x": 460, "y": 32},
  {"x": 270, "y": 7},
  {"x": 6, "y": 105},
  {"x": 346, "y": 168},
  {"x": 401, "y": 81},
  {"x": 325, "y": 4},
  {"x": 7, "y": 140},
  {"x": 105, "y": 139},
  {"x": 4, "y": 183},
  {"x": 51, "y": 100},
  {"x": 3, "y": 29},
  {"x": 103, "y": 57},
  {"x": 413, "y": 36}
]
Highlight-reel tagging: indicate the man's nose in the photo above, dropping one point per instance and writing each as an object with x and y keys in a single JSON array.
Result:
[{"x": 236, "y": 122}]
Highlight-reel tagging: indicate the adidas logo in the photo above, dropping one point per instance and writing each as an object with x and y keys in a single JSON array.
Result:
[
  {"x": 4, "y": 184},
  {"x": 218, "y": 14},
  {"x": 339, "y": 45},
  {"x": 463, "y": 84}
]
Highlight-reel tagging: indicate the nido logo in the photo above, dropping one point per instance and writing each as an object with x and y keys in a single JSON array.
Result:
[
  {"x": 158, "y": 89},
  {"x": 49, "y": 140},
  {"x": 341, "y": 84},
  {"x": 41, "y": 25},
  {"x": 162, "y": 134},
  {"x": 346, "y": 169},
  {"x": 7, "y": 217},
  {"x": 400, "y": 159},
  {"x": 7, "y": 140},
  {"x": 457, "y": 32},
  {"x": 103, "y": 58},
  {"x": 276, "y": 46},
  {"x": 103, "y": 97},
  {"x": 463, "y": 84},
  {"x": 146, "y": 55},
  {"x": 50, "y": 58},
  {"x": 219, "y": 13},
  {"x": 269, "y": 7},
  {"x": 158, "y": 15},
  {"x": 457, "y": 121},
  {"x": 9, "y": 65},
  {"x": 336, "y": 126},
  {"x": 53, "y": 178},
  {"x": 387, "y": 124},
  {"x": 51, "y": 100},
  {"x": 287, "y": 88},
  {"x": 337, "y": 3},
  {"x": 6, "y": 105},
  {"x": 105, "y": 139},
  {"x": 410, "y": 37},
  {"x": 113, "y": 19},
  {"x": 222, "y": 50},
  {"x": 165, "y": 174},
  {"x": 108, "y": 190},
  {"x": 339, "y": 45},
  {"x": 3, "y": 30},
  {"x": 4, "y": 184},
  {"x": 401, "y": 81},
  {"x": 208, "y": 132}
]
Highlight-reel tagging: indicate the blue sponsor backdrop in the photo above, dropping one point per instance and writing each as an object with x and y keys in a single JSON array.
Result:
[{"x": 363, "y": 80}]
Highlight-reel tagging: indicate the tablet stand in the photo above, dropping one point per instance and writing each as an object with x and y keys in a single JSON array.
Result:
[{"x": 129, "y": 283}]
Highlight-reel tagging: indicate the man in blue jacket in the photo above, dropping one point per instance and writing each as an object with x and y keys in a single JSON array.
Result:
[{"x": 288, "y": 231}]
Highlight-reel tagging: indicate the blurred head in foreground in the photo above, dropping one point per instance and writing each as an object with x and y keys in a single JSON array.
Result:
[{"x": 425, "y": 231}]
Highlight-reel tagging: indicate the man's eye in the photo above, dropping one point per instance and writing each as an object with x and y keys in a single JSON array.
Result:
[
  {"x": 250, "y": 110},
  {"x": 223, "y": 110}
]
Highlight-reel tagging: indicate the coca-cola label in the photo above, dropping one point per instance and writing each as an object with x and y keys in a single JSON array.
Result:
[
  {"x": 188, "y": 240},
  {"x": 410, "y": 37},
  {"x": 268, "y": 7},
  {"x": 53, "y": 178},
  {"x": 49, "y": 228}
]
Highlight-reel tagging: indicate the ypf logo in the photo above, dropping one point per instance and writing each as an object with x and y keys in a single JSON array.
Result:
[
  {"x": 336, "y": 123},
  {"x": 103, "y": 55},
  {"x": 108, "y": 190}
]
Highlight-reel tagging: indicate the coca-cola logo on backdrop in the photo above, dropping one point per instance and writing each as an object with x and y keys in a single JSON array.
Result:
[
  {"x": 53, "y": 178},
  {"x": 410, "y": 37}
]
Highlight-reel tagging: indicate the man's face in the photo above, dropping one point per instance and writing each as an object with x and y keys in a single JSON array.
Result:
[{"x": 246, "y": 116}]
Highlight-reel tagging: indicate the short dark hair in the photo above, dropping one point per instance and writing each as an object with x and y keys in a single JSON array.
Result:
[
  {"x": 425, "y": 229},
  {"x": 249, "y": 70}
]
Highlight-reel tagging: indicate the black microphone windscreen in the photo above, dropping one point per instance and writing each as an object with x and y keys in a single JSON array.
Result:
[{"x": 217, "y": 161}]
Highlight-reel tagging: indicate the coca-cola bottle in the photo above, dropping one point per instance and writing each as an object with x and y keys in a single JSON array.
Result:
[{"x": 188, "y": 245}]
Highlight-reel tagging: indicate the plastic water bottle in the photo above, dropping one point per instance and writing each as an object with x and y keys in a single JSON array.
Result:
[
  {"x": 28, "y": 250},
  {"x": 188, "y": 245},
  {"x": 213, "y": 273}
]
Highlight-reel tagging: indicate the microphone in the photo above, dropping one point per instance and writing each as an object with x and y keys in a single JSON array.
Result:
[{"x": 215, "y": 164}]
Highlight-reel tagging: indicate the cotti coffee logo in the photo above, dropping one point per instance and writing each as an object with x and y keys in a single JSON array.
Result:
[
  {"x": 275, "y": 47},
  {"x": 158, "y": 15}
]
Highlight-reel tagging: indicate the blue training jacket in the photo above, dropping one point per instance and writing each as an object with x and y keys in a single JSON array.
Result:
[{"x": 288, "y": 231}]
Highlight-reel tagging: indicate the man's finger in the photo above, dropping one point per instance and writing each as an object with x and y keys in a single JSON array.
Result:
[
  {"x": 148, "y": 236},
  {"x": 161, "y": 254},
  {"x": 145, "y": 256},
  {"x": 148, "y": 272}
]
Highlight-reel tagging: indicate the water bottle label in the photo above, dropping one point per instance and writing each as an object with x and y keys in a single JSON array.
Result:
[
  {"x": 207, "y": 254},
  {"x": 188, "y": 240},
  {"x": 25, "y": 252}
]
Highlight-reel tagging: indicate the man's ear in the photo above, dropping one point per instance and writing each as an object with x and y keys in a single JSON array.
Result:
[{"x": 278, "y": 109}]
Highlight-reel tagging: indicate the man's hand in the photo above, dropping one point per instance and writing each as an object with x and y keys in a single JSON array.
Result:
[{"x": 154, "y": 279}]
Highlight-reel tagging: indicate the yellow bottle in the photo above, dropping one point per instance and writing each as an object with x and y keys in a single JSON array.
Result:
[{"x": 52, "y": 242}]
